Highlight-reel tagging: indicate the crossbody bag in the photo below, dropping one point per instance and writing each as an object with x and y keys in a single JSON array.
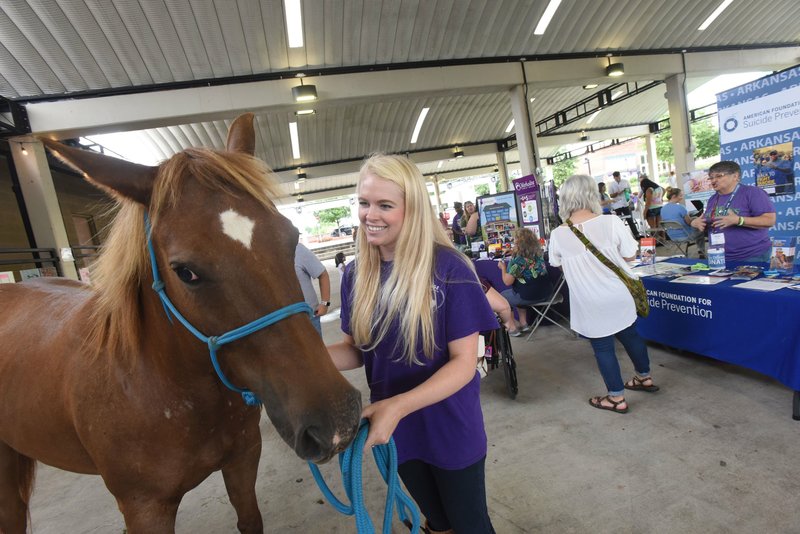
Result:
[{"x": 634, "y": 285}]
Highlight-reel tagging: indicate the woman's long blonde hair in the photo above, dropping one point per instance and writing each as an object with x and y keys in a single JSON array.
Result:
[{"x": 407, "y": 293}]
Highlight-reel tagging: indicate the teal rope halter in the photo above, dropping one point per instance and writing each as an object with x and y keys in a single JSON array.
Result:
[
  {"x": 350, "y": 465},
  {"x": 215, "y": 342}
]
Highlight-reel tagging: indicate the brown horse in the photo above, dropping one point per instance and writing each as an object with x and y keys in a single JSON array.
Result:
[{"x": 98, "y": 380}]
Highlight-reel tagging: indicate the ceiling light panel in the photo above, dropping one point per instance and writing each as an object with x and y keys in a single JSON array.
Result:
[
  {"x": 294, "y": 22},
  {"x": 421, "y": 119},
  {"x": 295, "y": 140},
  {"x": 547, "y": 16},
  {"x": 722, "y": 7}
]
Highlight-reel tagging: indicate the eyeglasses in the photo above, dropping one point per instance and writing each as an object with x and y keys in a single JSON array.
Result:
[{"x": 713, "y": 177}]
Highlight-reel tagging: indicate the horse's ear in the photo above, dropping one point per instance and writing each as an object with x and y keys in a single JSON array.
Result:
[
  {"x": 242, "y": 135},
  {"x": 113, "y": 175}
]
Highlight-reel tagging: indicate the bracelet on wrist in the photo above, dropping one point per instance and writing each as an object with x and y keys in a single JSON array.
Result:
[{"x": 741, "y": 221}]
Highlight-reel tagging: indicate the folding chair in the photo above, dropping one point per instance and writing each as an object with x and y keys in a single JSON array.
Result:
[
  {"x": 546, "y": 305},
  {"x": 679, "y": 236}
]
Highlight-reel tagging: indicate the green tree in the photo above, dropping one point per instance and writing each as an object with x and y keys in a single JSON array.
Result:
[
  {"x": 705, "y": 137},
  {"x": 563, "y": 170},
  {"x": 332, "y": 215},
  {"x": 481, "y": 189}
]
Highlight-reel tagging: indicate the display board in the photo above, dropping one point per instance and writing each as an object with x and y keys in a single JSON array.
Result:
[
  {"x": 760, "y": 130},
  {"x": 499, "y": 218},
  {"x": 527, "y": 194}
]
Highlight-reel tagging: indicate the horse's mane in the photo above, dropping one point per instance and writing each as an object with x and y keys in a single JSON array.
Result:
[{"x": 123, "y": 264}]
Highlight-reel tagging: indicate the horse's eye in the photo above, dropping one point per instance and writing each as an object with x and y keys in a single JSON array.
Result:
[{"x": 186, "y": 275}]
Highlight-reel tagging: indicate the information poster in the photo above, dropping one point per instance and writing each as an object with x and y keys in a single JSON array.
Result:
[
  {"x": 499, "y": 218},
  {"x": 527, "y": 190},
  {"x": 760, "y": 130}
]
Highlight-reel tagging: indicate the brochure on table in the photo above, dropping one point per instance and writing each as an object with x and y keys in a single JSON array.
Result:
[{"x": 783, "y": 255}]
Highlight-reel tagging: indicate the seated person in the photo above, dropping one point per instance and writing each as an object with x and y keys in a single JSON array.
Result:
[
  {"x": 526, "y": 273},
  {"x": 675, "y": 210},
  {"x": 501, "y": 307}
]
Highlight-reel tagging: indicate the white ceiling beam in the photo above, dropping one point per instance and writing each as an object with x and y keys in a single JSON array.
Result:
[
  {"x": 558, "y": 140},
  {"x": 80, "y": 117}
]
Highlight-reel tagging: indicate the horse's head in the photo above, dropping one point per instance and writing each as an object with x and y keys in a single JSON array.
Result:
[{"x": 226, "y": 257}]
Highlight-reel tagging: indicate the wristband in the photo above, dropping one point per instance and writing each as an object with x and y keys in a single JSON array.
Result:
[{"x": 741, "y": 221}]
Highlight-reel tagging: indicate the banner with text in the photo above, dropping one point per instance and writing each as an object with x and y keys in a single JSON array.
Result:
[{"x": 759, "y": 128}]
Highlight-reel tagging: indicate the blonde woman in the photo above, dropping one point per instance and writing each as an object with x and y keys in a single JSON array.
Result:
[
  {"x": 471, "y": 222},
  {"x": 526, "y": 273},
  {"x": 411, "y": 311}
]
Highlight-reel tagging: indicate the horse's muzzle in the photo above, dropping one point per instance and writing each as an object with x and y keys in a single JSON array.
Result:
[{"x": 320, "y": 442}]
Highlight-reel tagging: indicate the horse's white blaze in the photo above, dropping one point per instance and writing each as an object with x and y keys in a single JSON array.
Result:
[{"x": 237, "y": 227}]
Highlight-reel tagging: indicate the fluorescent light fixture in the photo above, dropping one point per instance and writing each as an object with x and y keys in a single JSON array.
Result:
[
  {"x": 458, "y": 153},
  {"x": 294, "y": 22},
  {"x": 590, "y": 86},
  {"x": 594, "y": 115},
  {"x": 304, "y": 93},
  {"x": 547, "y": 16},
  {"x": 441, "y": 162},
  {"x": 533, "y": 98},
  {"x": 295, "y": 140},
  {"x": 510, "y": 126},
  {"x": 422, "y": 114},
  {"x": 615, "y": 69},
  {"x": 304, "y": 112},
  {"x": 722, "y": 7}
]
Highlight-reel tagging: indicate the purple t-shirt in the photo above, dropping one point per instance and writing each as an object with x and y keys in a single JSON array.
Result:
[
  {"x": 741, "y": 242},
  {"x": 449, "y": 434}
]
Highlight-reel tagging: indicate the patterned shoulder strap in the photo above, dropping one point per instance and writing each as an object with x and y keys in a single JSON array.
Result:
[{"x": 599, "y": 255}]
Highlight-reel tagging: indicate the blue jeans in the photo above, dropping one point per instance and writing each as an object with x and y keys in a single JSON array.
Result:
[{"x": 607, "y": 362}]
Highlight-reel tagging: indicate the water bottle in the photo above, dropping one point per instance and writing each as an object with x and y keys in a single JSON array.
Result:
[{"x": 716, "y": 258}]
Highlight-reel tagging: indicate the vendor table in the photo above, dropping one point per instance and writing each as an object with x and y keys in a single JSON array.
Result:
[{"x": 755, "y": 329}]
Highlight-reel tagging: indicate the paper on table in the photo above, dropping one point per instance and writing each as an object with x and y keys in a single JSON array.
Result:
[
  {"x": 698, "y": 279},
  {"x": 766, "y": 284},
  {"x": 658, "y": 268}
]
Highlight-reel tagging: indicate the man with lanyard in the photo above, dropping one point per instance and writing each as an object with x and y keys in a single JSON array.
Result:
[
  {"x": 738, "y": 216},
  {"x": 620, "y": 193}
]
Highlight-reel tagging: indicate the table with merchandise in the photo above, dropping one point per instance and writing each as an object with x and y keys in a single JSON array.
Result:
[{"x": 739, "y": 316}]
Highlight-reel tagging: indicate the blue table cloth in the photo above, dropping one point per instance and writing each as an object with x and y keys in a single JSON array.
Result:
[{"x": 758, "y": 330}]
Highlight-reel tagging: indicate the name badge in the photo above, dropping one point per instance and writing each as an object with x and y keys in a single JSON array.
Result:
[{"x": 717, "y": 238}]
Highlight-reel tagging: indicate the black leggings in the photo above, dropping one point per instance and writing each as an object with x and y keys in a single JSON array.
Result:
[{"x": 449, "y": 499}]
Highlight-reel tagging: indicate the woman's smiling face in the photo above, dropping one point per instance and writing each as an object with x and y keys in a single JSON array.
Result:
[{"x": 381, "y": 211}]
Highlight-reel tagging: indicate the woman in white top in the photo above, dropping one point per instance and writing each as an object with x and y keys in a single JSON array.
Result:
[{"x": 601, "y": 307}]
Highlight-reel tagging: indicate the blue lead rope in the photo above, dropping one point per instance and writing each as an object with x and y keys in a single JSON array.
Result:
[{"x": 350, "y": 464}]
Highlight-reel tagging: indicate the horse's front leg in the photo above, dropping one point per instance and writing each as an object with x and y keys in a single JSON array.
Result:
[
  {"x": 145, "y": 515},
  {"x": 240, "y": 480}
]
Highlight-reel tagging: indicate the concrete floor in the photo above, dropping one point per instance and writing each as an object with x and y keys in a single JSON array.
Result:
[{"x": 712, "y": 452}]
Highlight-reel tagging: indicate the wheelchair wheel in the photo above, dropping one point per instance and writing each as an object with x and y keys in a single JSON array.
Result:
[{"x": 506, "y": 358}]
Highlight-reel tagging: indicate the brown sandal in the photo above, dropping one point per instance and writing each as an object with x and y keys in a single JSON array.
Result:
[
  {"x": 597, "y": 402},
  {"x": 637, "y": 383}
]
